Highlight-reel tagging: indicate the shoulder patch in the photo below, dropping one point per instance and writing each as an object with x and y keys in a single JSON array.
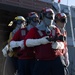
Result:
[
  {"x": 40, "y": 33},
  {"x": 53, "y": 32},
  {"x": 23, "y": 32}
]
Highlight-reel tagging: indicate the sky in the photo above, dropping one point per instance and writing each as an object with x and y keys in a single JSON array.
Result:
[{"x": 67, "y": 2}]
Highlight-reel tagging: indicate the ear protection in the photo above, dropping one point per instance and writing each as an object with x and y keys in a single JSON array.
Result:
[
  {"x": 41, "y": 15},
  {"x": 28, "y": 20},
  {"x": 55, "y": 19}
]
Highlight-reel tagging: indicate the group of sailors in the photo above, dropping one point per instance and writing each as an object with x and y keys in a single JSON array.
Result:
[{"x": 36, "y": 46}]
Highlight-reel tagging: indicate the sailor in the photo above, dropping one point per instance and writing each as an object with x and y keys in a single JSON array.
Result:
[
  {"x": 10, "y": 66},
  {"x": 60, "y": 22},
  {"x": 26, "y": 56},
  {"x": 48, "y": 43}
]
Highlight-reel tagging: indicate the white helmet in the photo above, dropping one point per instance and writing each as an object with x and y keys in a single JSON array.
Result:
[
  {"x": 20, "y": 18},
  {"x": 48, "y": 13},
  {"x": 61, "y": 17}
]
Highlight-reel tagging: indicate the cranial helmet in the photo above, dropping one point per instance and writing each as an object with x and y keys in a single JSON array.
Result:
[
  {"x": 18, "y": 21},
  {"x": 61, "y": 17},
  {"x": 20, "y": 18},
  {"x": 33, "y": 16},
  {"x": 47, "y": 12}
]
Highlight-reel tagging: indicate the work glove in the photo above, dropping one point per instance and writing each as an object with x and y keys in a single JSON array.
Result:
[
  {"x": 67, "y": 59},
  {"x": 14, "y": 44},
  {"x": 58, "y": 45},
  {"x": 5, "y": 50},
  {"x": 44, "y": 40},
  {"x": 36, "y": 42}
]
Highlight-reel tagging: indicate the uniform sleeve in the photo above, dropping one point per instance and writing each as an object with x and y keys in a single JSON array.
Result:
[
  {"x": 10, "y": 37},
  {"x": 30, "y": 35},
  {"x": 66, "y": 55}
]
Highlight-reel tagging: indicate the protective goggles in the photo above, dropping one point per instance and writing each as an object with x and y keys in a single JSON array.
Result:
[
  {"x": 35, "y": 19},
  {"x": 49, "y": 15},
  {"x": 63, "y": 20},
  {"x": 19, "y": 21}
]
